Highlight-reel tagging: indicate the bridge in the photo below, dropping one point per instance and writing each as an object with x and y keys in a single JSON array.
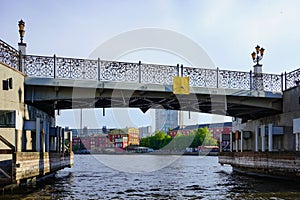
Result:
[
  {"x": 264, "y": 101},
  {"x": 56, "y": 83}
]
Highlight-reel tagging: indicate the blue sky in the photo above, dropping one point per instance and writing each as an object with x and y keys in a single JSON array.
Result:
[{"x": 227, "y": 30}]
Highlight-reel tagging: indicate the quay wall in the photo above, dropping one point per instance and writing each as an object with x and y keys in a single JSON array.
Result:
[
  {"x": 28, "y": 165},
  {"x": 278, "y": 164}
]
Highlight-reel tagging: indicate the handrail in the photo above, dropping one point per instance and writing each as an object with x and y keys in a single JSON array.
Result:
[
  {"x": 104, "y": 70},
  {"x": 9, "y": 55},
  {"x": 292, "y": 79}
]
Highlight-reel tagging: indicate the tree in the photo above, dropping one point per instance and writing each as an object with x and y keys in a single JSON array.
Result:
[
  {"x": 197, "y": 138},
  {"x": 203, "y": 137},
  {"x": 208, "y": 140}
]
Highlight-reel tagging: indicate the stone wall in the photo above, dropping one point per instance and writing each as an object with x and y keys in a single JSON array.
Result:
[{"x": 282, "y": 164}]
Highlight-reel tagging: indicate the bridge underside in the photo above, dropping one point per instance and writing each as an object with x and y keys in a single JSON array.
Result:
[{"x": 62, "y": 95}]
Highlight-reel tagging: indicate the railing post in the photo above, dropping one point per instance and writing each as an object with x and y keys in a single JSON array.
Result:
[
  {"x": 140, "y": 72},
  {"x": 217, "y": 77},
  {"x": 20, "y": 61},
  {"x": 178, "y": 72},
  {"x": 251, "y": 80},
  {"x": 181, "y": 69},
  {"x": 54, "y": 64},
  {"x": 99, "y": 67},
  {"x": 285, "y": 81},
  {"x": 282, "y": 82}
]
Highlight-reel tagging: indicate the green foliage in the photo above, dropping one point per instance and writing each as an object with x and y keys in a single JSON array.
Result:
[
  {"x": 78, "y": 147},
  {"x": 197, "y": 138}
]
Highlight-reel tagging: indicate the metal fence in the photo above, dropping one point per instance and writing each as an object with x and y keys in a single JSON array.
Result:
[
  {"x": 102, "y": 70},
  {"x": 9, "y": 55},
  {"x": 292, "y": 79}
]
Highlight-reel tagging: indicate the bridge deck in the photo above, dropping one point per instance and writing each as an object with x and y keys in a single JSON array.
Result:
[{"x": 50, "y": 94}]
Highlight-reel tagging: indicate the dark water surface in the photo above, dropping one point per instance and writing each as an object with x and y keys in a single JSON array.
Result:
[{"x": 154, "y": 177}]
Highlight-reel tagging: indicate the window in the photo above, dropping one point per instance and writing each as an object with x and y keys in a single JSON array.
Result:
[{"x": 7, "y": 118}]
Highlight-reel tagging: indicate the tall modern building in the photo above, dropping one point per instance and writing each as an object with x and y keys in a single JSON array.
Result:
[
  {"x": 165, "y": 120},
  {"x": 145, "y": 131}
]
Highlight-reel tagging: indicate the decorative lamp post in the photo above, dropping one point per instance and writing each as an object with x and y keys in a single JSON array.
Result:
[
  {"x": 21, "y": 30},
  {"x": 257, "y": 55},
  {"x": 21, "y": 44}
]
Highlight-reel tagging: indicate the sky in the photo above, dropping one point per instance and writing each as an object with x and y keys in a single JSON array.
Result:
[{"x": 227, "y": 31}]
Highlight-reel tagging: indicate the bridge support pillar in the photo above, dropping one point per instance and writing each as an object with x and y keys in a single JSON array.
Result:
[
  {"x": 237, "y": 141},
  {"x": 297, "y": 141},
  {"x": 262, "y": 132},
  {"x": 221, "y": 142},
  {"x": 270, "y": 137},
  {"x": 241, "y": 141},
  {"x": 296, "y": 131},
  {"x": 256, "y": 138},
  {"x": 52, "y": 144},
  {"x": 231, "y": 144},
  {"x": 47, "y": 139},
  {"x": 70, "y": 141},
  {"x": 63, "y": 140},
  {"x": 38, "y": 134},
  {"x": 18, "y": 142},
  {"x": 57, "y": 139}
]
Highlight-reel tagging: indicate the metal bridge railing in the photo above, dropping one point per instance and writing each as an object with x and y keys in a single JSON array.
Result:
[
  {"x": 102, "y": 70},
  {"x": 292, "y": 79},
  {"x": 9, "y": 55}
]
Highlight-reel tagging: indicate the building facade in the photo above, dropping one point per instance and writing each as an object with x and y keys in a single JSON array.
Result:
[
  {"x": 145, "y": 131},
  {"x": 93, "y": 143},
  {"x": 26, "y": 132},
  {"x": 121, "y": 138},
  {"x": 165, "y": 120},
  {"x": 86, "y": 132},
  {"x": 216, "y": 129}
]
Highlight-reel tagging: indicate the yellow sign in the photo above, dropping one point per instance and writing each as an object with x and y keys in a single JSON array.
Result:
[{"x": 181, "y": 85}]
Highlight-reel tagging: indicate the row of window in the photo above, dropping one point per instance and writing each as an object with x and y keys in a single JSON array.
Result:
[{"x": 7, "y": 118}]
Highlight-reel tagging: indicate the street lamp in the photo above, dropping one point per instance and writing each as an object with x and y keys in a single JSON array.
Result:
[
  {"x": 21, "y": 30},
  {"x": 258, "y": 55},
  {"x": 21, "y": 44}
]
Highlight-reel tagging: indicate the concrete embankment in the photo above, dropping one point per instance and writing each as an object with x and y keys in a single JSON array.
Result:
[{"x": 277, "y": 164}]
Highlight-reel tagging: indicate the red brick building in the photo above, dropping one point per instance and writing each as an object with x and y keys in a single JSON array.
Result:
[
  {"x": 216, "y": 129},
  {"x": 122, "y": 138},
  {"x": 94, "y": 143}
]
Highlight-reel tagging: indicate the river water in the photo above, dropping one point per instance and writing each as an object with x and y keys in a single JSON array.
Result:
[{"x": 154, "y": 177}]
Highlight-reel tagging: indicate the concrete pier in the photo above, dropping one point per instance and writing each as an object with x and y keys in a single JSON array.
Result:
[
  {"x": 277, "y": 164},
  {"x": 25, "y": 152},
  {"x": 272, "y": 147}
]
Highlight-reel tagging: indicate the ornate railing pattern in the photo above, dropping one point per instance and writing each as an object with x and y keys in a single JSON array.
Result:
[
  {"x": 119, "y": 71},
  {"x": 158, "y": 74},
  {"x": 100, "y": 70},
  {"x": 83, "y": 69},
  {"x": 292, "y": 79},
  {"x": 201, "y": 77},
  {"x": 39, "y": 66},
  {"x": 9, "y": 55},
  {"x": 73, "y": 68},
  {"x": 272, "y": 82},
  {"x": 234, "y": 79}
]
